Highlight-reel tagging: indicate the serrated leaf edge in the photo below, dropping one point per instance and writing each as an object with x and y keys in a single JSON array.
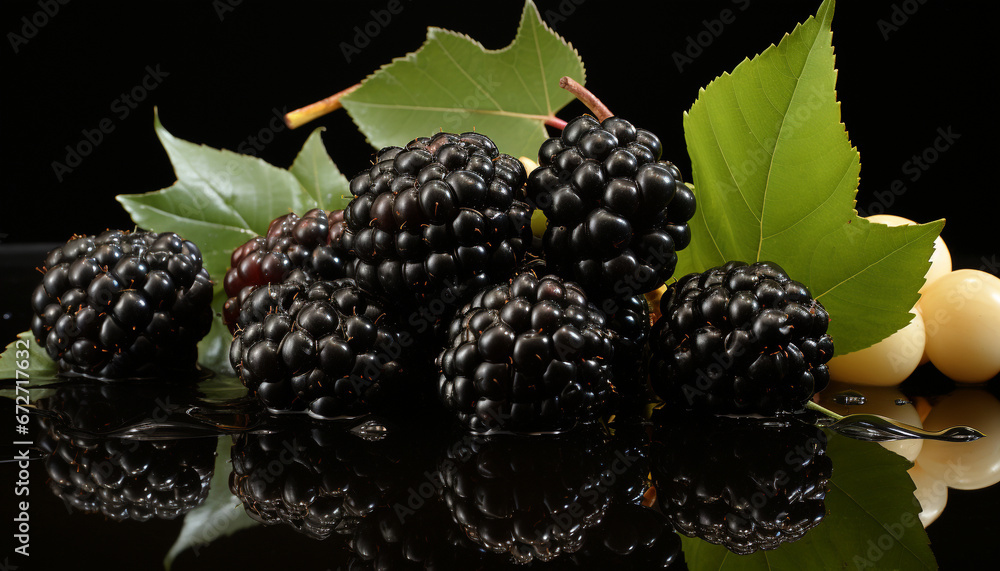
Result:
[{"x": 432, "y": 31}]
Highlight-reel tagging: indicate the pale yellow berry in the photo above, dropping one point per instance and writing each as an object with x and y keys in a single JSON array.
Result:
[{"x": 962, "y": 321}]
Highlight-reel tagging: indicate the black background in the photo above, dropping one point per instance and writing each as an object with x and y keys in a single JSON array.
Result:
[{"x": 231, "y": 64}]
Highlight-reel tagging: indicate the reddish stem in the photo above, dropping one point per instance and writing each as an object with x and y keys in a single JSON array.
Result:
[
  {"x": 556, "y": 122},
  {"x": 316, "y": 110},
  {"x": 600, "y": 110}
]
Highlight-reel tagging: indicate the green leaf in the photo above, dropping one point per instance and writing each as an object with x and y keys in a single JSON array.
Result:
[
  {"x": 25, "y": 351},
  {"x": 38, "y": 369},
  {"x": 221, "y": 515},
  {"x": 25, "y": 359},
  {"x": 871, "y": 521},
  {"x": 317, "y": 174},
  {"x": 452, "y": 83},
  {"x": 776, "y": 178},
  {"x": 222, "y": 388}
]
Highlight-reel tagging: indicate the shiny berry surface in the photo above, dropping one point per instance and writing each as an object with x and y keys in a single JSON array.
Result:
[
  {"x": 740, "y": 338},
  {"x": 437, "y": 220},
  {"x": 616, "y": 214},
  {"x": 123, "y": 304},
  {"x": 327, "y": 348},
  {"x": 299, "y": 249},
  {"x": 530, "y": 354}
]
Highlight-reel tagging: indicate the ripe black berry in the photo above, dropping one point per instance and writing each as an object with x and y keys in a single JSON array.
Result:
[
  {"x": 740, "y": 338},
  {"x": 616, "y": 216},
  {"x": 123, "y": 304},
  {"x": 529, "y": 354},
  {"x": 300, "y": 249},
  {"x": 437, "y": 220},
  {"x": 327, "y": 348}
]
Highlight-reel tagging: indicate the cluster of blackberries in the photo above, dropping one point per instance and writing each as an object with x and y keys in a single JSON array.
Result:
[
  {"x": 438, "y": 219},
  {"x": 530, "y": 354},
  {"x": 342, "y": 313}
]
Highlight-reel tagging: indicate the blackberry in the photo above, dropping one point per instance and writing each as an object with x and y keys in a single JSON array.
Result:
[
  {"x": 331, "y": 475},
  {"x": 627, "y": 318},
  {"x": 301, "y": 249},
  {"x": 616, "y": 213},
  {"x": 327, "y": 348},
  {"x": 123, "y": 304},
  {"x": 528, "y": 498},
  {"x": 530, "y": 354},
  {"x": 740, "y": 339},
  {"x": 437, "y": 220},
  {"x": 747, "y": 483},
  {"x": 122, "y": 478}
]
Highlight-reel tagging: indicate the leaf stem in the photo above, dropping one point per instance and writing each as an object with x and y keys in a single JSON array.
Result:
[
  {"x": 303, "y": 115},
  {"x": 822, "y": 410},
  {"x": 599, "y": 109},
  {"x": 555, "y": 122}
]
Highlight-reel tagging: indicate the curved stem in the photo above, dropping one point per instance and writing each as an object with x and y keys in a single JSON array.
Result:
[
  {"x": 556, "y": 122},
  {"x": 822, "y": 410},
  {"x": 303, "y": 115},
  {"x": 599, "y": 109}
]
